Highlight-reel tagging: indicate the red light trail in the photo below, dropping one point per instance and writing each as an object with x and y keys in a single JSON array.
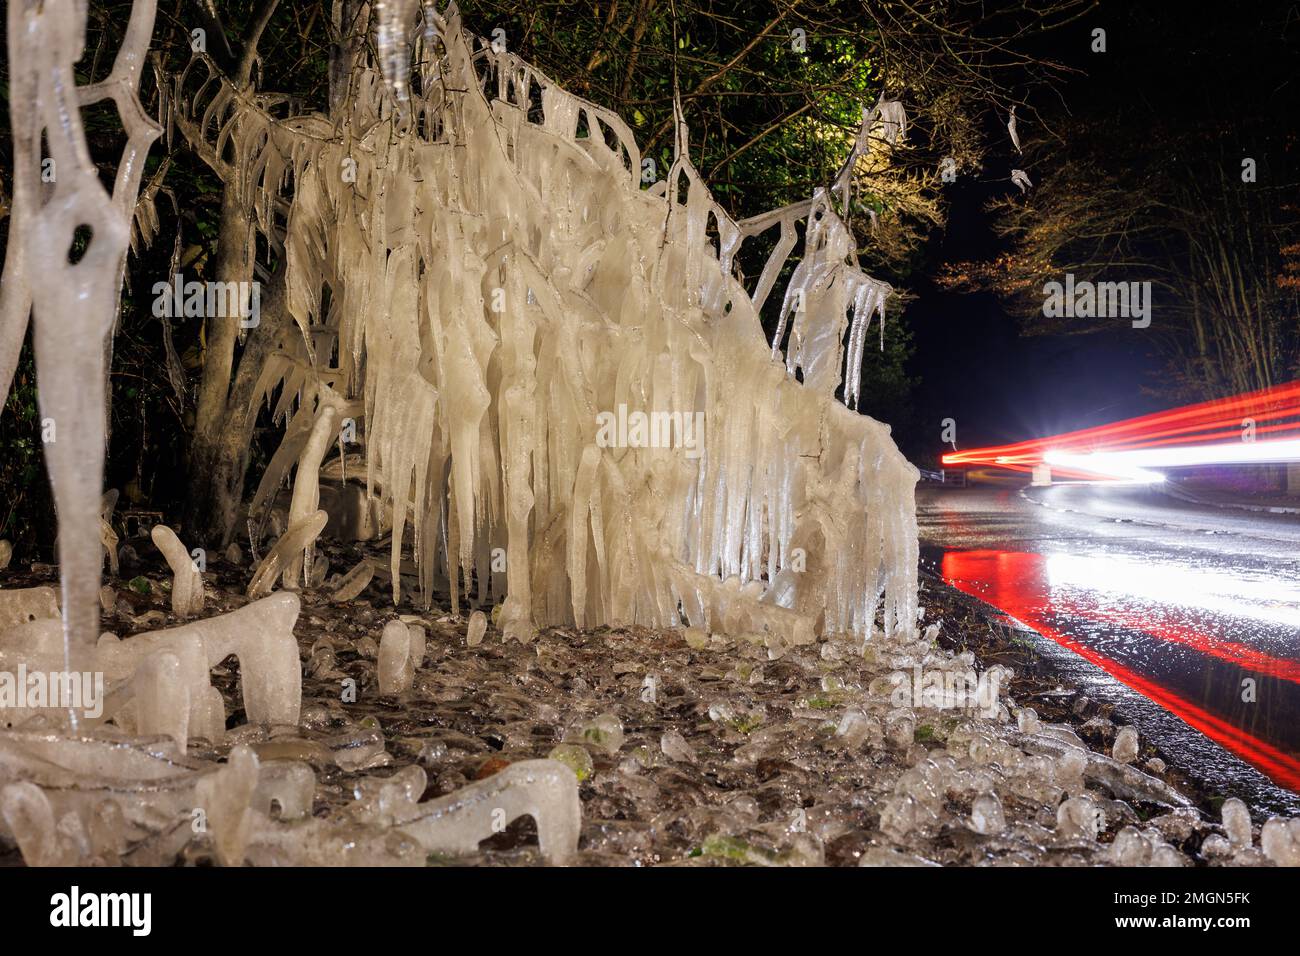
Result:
[{"x": 1222, "y": 430}]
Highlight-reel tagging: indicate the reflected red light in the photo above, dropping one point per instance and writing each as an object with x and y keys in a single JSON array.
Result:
[{"x": 1017, "y": 583}]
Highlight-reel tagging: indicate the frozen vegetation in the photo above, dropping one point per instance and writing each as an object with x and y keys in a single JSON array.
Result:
[
  {"x": 629, "y": 745},
  {"x": 695, "y": 638}
]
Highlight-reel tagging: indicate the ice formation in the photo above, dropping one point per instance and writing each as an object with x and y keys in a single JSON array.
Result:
[
  {"x": 1280, "y": 841},
  {"x": 107, "y": 536},
  {"x": 483, "y": 270},
  {"x": 287, "y": 554},
  {"x": 497, "y": 281},
  {"x": 73, "y": 301},
  {"x": 1236, "y": 823},
  {"x": 477, "y": 628},
  {"x": 68, "y": 800},
  {"x": 23, "y": 605},
  {"x": 1125, "y": 748},
  {"x": 157, "y": 683},
  {"x": 95, "y": 796},
  {"x": 187, "y": 581},
  {"x": 543, "y": 789},
  {"x": 355, "y": 581},
  {"x": 986, "y": 814},
  {"x": 401, "y": 652},
  {"x": 259, "y": 635}
]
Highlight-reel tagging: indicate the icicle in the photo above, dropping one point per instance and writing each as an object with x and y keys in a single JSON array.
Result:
[
  {"x": 497, "y": 305},
  {"x": 394, "y": 19},
  {"x": 74, "y": 304}
]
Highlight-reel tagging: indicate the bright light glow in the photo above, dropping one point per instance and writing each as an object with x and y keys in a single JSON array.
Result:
[
  {"x": 1223, "y": 431},
  {"x": 1228, "y": 593},
  {"x": 1106, "y": 465},
  {"x": 1233, "y": 453}
]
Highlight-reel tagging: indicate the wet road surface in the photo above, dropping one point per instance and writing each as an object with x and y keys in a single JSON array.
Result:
[{"x": 1186, "y": 616}]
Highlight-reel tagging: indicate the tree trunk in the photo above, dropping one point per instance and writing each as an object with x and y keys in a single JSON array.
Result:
[{"x": 223, "y": 428}]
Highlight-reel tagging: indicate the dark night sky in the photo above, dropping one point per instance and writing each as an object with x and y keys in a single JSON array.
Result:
[{"x": 974, "y": 362}]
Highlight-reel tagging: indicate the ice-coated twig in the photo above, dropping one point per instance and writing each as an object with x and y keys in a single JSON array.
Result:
[
  {"x": 260, "y": 635},
  {"x": 187, "y": 581},
  {"x": 74, "y": 303},
  {"x": 23, "y": 605},
  {"x": 293, "y": 541},
  {"x": 354, "y": 582},
  {"x": 546, "y": 790},
  {"x": 1126, "y": 782},
  {"x": 107, "y": 536},
  {"x": 400, "y": 649},
  {"x": 306, "y": 493}
]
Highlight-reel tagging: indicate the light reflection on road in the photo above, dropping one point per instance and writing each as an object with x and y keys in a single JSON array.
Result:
[{"x": 1197, "y": 611}]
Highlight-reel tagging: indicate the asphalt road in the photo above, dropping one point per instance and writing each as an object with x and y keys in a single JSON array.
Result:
[{"x": 1186, "y": 616}]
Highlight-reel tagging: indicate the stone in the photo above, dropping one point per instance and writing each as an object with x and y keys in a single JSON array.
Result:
[{"x": 675, "y": 747}]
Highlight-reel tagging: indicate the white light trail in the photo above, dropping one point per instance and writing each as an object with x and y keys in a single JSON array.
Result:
[
  {"x": 1103, "y": 463},
  {"x": 1133, "y": 465}
]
